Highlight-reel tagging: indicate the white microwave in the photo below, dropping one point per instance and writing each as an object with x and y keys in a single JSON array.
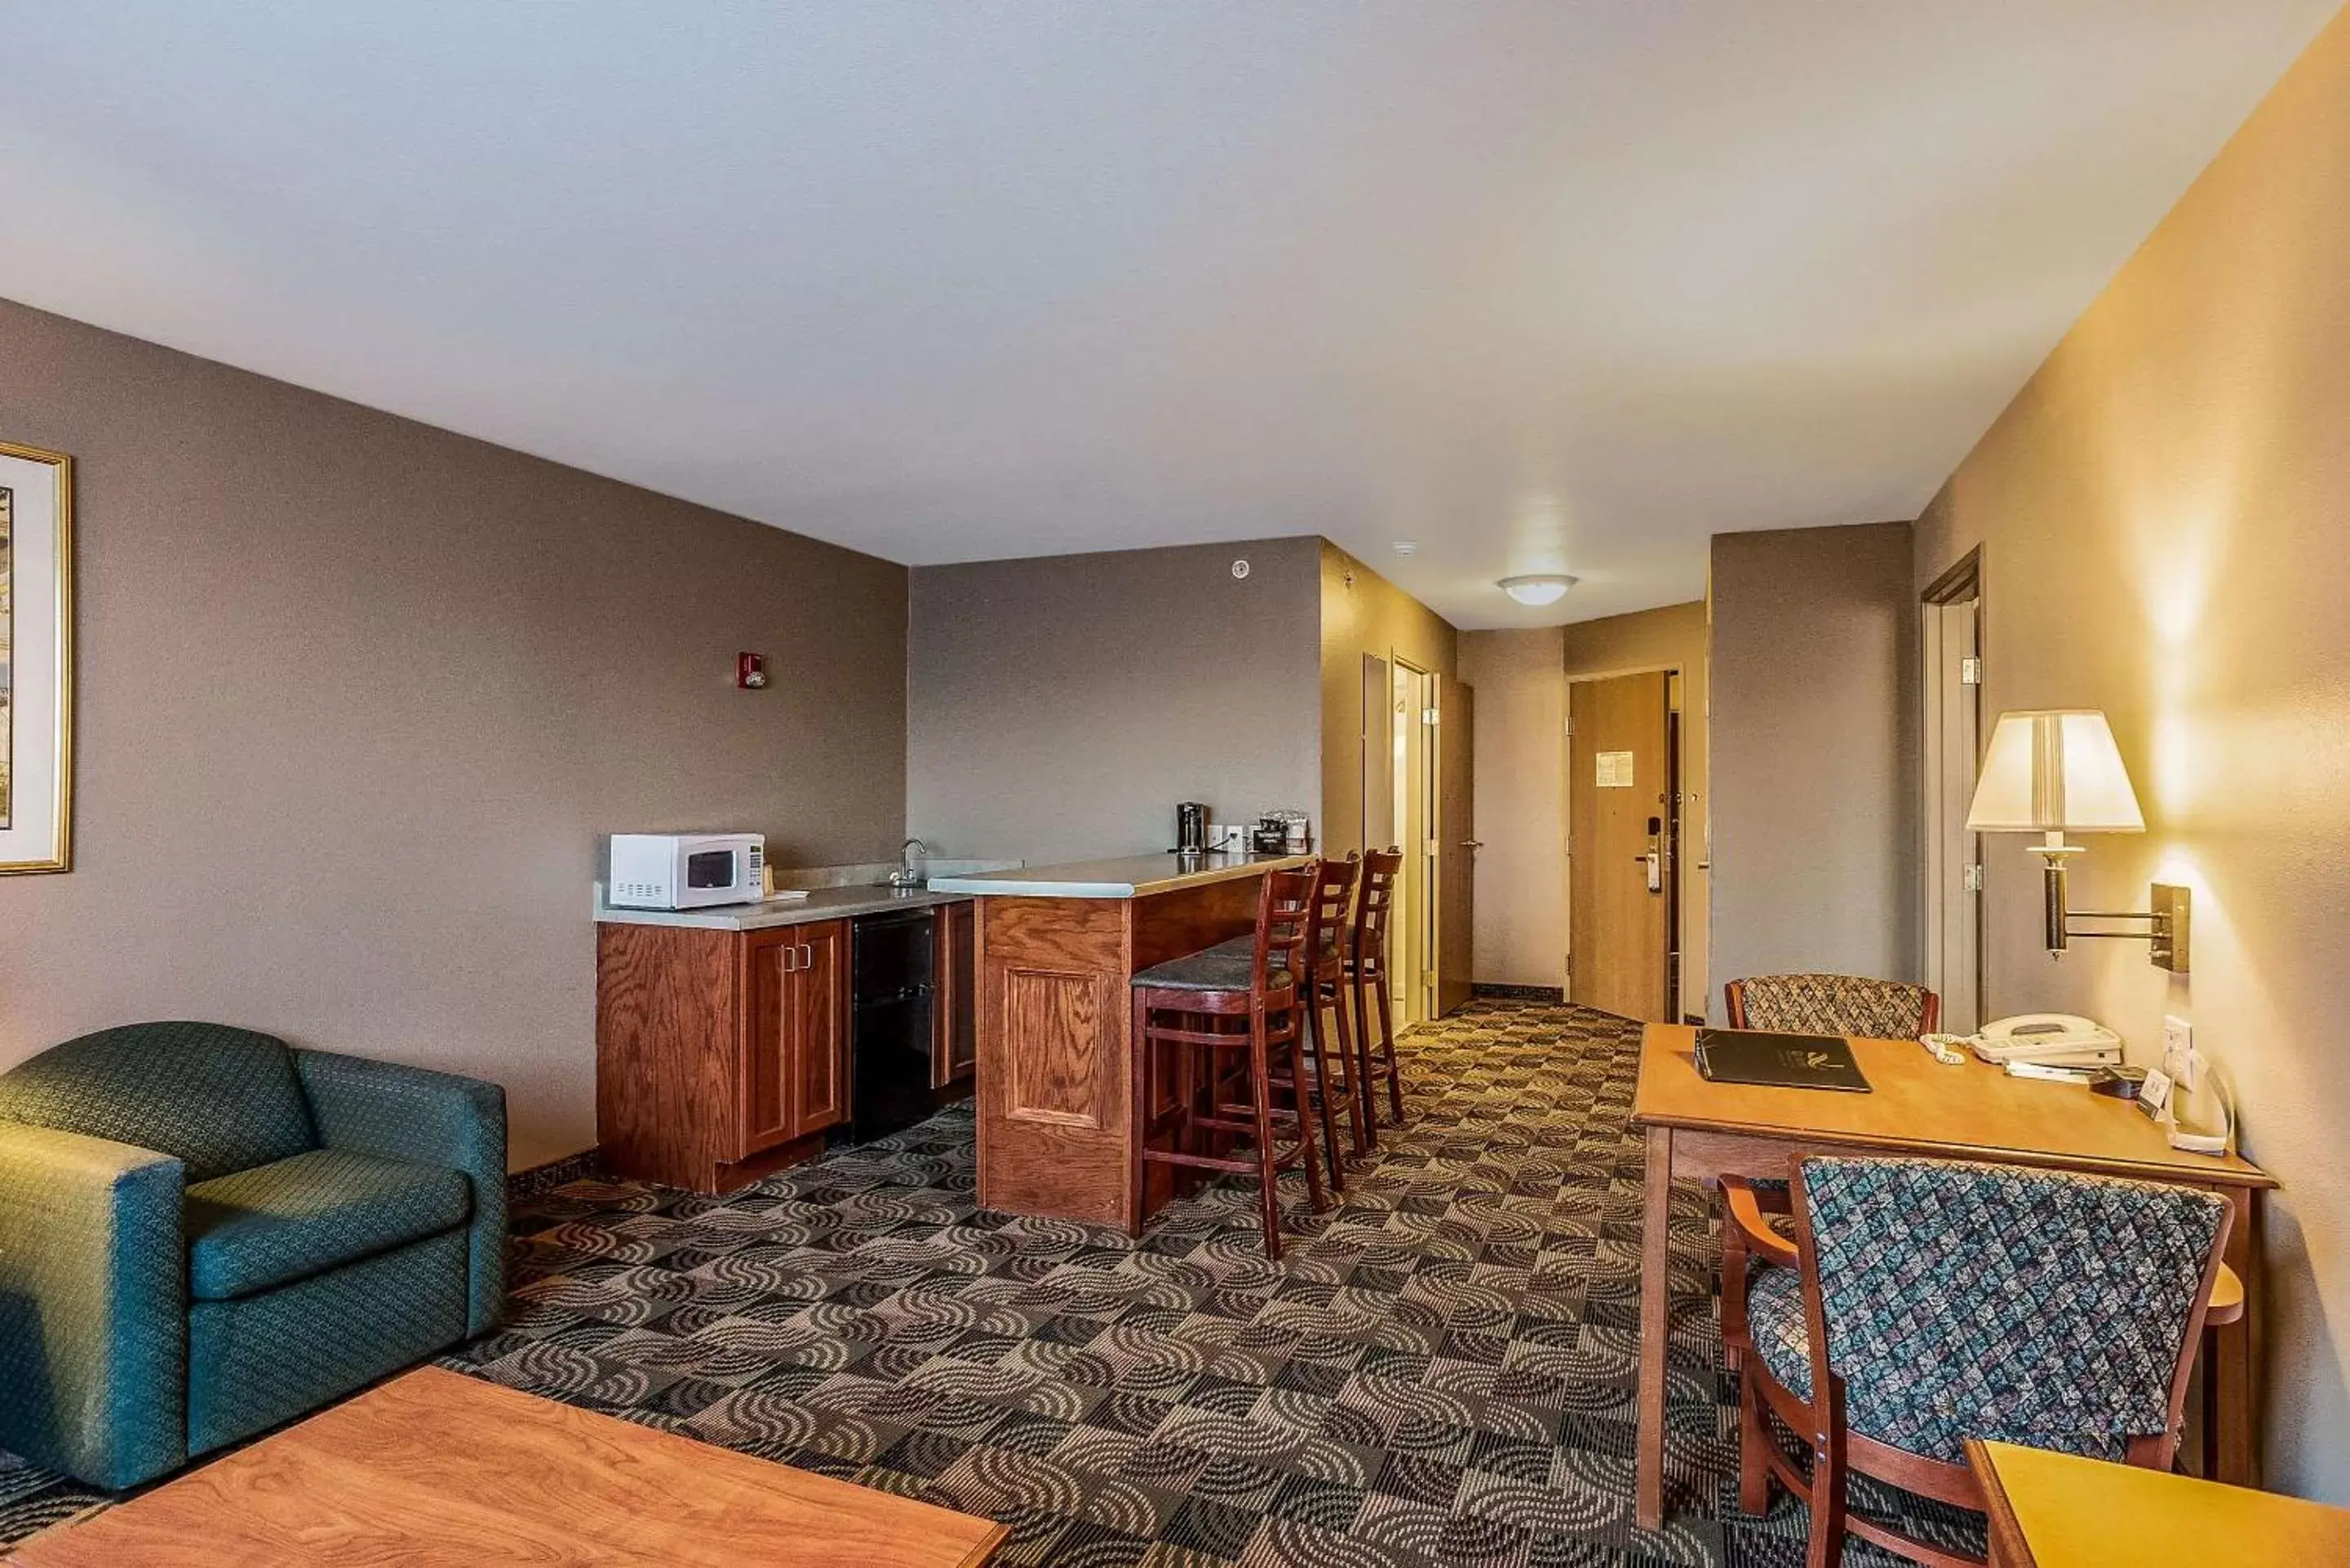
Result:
[{"x": 686, "y": 871}]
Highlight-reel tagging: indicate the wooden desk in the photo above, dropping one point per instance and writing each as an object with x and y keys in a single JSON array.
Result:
[
  {"x": 1918, "y": 1106},
  {"x": 2059, "y": 1511},
  {"x": 436, "y": 1470}
]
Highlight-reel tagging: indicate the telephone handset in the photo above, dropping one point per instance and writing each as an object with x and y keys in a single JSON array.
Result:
[{"x": 2050, "y": 1039}]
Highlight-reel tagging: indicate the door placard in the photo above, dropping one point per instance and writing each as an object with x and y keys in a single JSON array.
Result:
[{"x": 1614, "y": 770}]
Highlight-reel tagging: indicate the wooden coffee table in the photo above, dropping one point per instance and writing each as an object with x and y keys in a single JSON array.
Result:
[{"x": 435, "y": 1469}]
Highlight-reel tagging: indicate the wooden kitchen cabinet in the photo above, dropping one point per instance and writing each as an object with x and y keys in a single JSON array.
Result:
[
  {"x": 954, "y": 1048},
  {"x": 795, "y": 1034},
  {"x": 720, "y": 1055}
]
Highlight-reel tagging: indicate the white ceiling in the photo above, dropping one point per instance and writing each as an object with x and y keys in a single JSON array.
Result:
[{"x": 1538, "y": 285}]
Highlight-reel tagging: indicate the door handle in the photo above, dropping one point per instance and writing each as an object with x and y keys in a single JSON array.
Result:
[
  {"x": 1656, "y": 864},
  {"x": 1473, "y": 843}
]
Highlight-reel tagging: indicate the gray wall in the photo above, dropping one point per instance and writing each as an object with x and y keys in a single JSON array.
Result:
[
  {"x": 357, "y": 695},
  {"x": 1813, "y": 667},
  {"x": 1059, "y": 707}
]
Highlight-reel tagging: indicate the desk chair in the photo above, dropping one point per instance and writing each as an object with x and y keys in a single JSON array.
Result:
[
  {"x": 1923, "y": 1303},
  {"x": 1843, "y": 1004},
  {"x": 1848, "y": 1005}
]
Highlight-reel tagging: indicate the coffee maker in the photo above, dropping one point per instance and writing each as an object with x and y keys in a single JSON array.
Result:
[{"x": 1190, "y": 829}]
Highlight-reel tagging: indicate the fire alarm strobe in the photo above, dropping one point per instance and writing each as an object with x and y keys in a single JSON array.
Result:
[{"x": 749, "y": 670}]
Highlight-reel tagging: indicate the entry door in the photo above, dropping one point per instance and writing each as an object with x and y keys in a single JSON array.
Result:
[
  {"x": 1456, "y": 841},
  {"x": 1619, "y": 866}
]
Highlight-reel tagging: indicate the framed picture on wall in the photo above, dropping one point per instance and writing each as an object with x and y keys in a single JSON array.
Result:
[{"x": 35, "y": 659}]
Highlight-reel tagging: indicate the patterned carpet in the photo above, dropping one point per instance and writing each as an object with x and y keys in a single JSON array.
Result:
[{"x": 1440, "y": 1372}]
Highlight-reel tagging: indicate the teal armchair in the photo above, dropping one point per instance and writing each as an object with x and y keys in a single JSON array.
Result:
[{"x": 204, "y": 1233}]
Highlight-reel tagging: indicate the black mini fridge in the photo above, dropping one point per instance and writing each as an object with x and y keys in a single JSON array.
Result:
[{"x": 890, "y": 1021}]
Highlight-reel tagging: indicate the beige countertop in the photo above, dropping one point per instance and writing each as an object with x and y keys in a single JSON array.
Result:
[{"x": 1131, "y": 876}]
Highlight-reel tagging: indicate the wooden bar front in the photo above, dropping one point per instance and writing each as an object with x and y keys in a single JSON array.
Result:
[{"x": 1055, "y": 1051}]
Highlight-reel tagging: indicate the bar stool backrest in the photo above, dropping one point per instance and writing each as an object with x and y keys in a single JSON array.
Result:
[
  {"x": 1380, "y": 868},
  {"x": 1285, "y": 915},
  {"x": 1334, "y": 906}
]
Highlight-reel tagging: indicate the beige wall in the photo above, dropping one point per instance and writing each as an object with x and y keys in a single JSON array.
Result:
[
  {"x": 1362, "y": 612},
  {"x": 1814, "y": 744},
  {"x": 1673, "y": 637},
  {"x": 357, "y": 698},
  {"x": 2163, "y": 513},
  {"x": 1059, "y": 707},
  {"x": 1520, "y": 677}
]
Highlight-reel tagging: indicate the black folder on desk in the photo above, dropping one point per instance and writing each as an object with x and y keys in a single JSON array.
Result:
[{"x": 1778, "y": 1061}]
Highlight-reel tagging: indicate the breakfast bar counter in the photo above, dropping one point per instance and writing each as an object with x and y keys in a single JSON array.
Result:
[{"x": 1058, "y": 947}]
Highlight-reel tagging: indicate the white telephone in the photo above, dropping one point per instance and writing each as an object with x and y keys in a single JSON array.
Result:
[{"x": 2049, "y": 1040}]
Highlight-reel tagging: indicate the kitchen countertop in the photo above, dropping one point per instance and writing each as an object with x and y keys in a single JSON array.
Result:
[
  {"x": 1132, "y": 876},
  {"x": 823, "y": 904}
]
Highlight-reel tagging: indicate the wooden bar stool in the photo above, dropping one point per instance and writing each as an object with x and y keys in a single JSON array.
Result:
[
  {"x": 1334, "y": 1078},
  {"x": 1366, "y": 969},
  {"x": 1215, "y": 1005}
]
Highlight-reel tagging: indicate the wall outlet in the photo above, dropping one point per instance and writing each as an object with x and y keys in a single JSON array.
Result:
[{"x": 2181, "y": 1060}]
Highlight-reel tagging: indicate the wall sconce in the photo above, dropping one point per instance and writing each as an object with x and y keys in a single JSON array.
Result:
[{"x": 2057, "y": 771}]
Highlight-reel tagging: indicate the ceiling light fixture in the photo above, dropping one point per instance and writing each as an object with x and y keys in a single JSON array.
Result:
[
  {"x": 1405, "y": 546},
  {"x": 1538, "y": 587}
]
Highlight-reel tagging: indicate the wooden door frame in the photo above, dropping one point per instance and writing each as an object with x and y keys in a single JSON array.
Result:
[
  {"x": 1963, "y": 580},
  {"x": 1419, "y": 977},
  {"x": 1677, "y": 887}
]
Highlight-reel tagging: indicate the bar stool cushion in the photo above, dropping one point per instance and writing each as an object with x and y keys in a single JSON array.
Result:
[
  {"x": 1212, "y": 970},
  {"x": 1246, "y": 946}
]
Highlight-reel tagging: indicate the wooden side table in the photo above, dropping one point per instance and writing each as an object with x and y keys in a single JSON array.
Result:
[{"x": 2059, "y": 1511}]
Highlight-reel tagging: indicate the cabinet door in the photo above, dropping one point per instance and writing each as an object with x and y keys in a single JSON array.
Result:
[
  {"x": 954, "y": 1052},
  {"x": 820, "y": 1055},
  {"x": 771, "y": 1030}
]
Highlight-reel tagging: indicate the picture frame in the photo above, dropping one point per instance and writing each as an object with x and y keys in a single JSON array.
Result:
[{"x": 36, "y": 648}]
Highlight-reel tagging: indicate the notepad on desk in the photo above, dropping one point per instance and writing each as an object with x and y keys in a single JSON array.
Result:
[{"x": 1778, "y": 1061}]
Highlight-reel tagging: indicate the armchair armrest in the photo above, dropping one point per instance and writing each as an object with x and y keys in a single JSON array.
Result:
[
  {"x": 433, "y": 1118},
  {"x": 93, "y": 1306},
  {"x": 1745, "y": 1213}
]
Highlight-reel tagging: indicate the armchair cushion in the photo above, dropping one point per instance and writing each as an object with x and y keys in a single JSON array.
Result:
[
  {"x": 294, "y": 1218},
  {"x": 263, "y": 1360},
  {"x": 215, "y": 1098}
]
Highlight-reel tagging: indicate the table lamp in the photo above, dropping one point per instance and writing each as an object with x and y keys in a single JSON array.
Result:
[{"x": 2054, "y": 770}]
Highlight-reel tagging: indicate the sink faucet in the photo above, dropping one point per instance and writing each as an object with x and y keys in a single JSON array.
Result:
[{"x": 908, "y": 873}]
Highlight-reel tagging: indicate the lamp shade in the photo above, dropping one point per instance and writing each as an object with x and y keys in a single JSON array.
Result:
[{"x": 2054, "y": 770}]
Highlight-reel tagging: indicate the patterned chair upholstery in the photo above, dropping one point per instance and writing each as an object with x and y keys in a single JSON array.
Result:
[
  {"x": 1961, "y": 1300},
  {"x": 1847, "y": 1004},
  {"x": 204, "y": 1233}
]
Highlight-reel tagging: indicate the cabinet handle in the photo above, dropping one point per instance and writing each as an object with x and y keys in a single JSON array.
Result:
[
  {"x": 791, "y": 959},
  {"x": 808, "y": 956}
]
